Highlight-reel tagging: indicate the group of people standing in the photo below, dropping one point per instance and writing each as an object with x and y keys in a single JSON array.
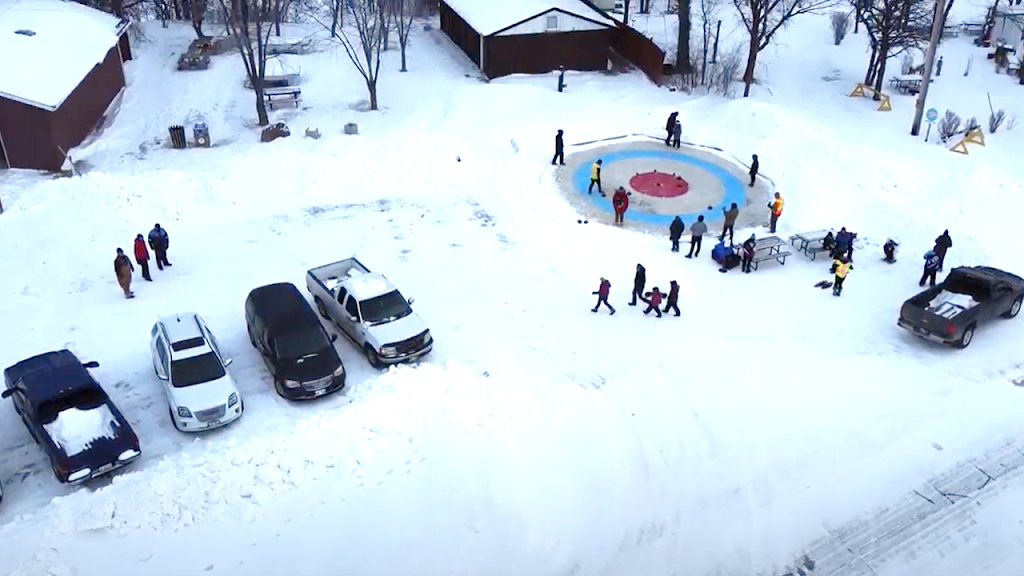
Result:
[
  {"x": 653, "y": 299},
  {"x": 159, "y": 242}
]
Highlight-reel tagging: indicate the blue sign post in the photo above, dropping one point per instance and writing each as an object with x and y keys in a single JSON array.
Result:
[{"x": 931, "y": 116}]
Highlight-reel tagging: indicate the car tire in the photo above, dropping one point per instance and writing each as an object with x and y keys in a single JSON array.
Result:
[
  {"x": 321, "y": 308},
  {"x": 372, "y": 358},
  {"x": 1014, "y": 308},
  {"x": 966, "y": 338}
]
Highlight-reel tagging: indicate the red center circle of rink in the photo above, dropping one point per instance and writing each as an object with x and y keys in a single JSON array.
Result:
[{"x": 659, "y": 184}]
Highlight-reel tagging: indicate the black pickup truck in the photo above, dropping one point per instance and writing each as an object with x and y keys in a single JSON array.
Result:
[
  {"x": 950, "y": 312},
  {"x": 70, "y": 416}
]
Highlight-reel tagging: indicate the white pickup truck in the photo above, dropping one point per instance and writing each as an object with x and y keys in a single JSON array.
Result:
[{"x": 368, "y": 309}]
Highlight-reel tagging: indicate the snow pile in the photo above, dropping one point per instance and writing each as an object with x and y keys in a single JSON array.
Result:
[
  {"x": 75, "y": 430},
  {"x": 59, "y": 44}
]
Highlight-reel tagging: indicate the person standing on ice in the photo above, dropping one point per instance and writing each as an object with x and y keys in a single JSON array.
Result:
[
  {"x": 653, "y": 301},
  {"x": 840, "y": 267},
  {"x": 673, "y": 298},
  {"x": 559, "y": 150},
  {"x": 730, "y": 221},
  {"x": 159, "y": 242},
  {"x": 675, "y": 232},
  {"x": 602, "y": 296},
  {"x": 123, "y": 270},
  {"x": 677, "y": 134},
  {"x": 639, "y": 281},
  {"x": 942, "y": 244},
  {"x": 749, "y": 247},
  {"x": 931, "y": 267},
  {"x": 142, "y": 256},
  {"x": 670, "y": 127},
  {"x": 754, "y": 166},
  {"x": 844, "y": 244},
  {"x": 595, "y": 177},
  {"x": 697, "y": 235},
  {"x": 620, "y": 202},
  {"x": 775, "y": 206}
]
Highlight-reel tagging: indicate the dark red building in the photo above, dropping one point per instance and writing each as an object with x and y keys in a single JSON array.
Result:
[
  {"x": 68, "y": 71},
  {"x": 530, "y": 36}
]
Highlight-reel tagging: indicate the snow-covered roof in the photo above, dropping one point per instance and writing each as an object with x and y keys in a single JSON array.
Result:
[
  {"x": 490, "y": 16},
  {"x": 49, "y": 47}
]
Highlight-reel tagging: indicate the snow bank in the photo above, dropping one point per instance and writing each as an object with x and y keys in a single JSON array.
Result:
[
  {"x": 74, "y": 430},
  {"x": 67, "y": 40}
]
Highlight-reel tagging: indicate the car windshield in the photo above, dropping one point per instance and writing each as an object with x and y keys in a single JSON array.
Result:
[
  {"x": 196, "y": 370},
  {"x": 384, "y": 308},
  {"x": 298, "y": 344},
  {"x": 83, "y": 400}
]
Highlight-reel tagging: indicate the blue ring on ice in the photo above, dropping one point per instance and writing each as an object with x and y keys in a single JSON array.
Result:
[{"x": 734, "y": 189}]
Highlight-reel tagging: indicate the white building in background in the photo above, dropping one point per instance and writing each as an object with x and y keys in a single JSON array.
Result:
[{"x": 1009, "y": 25}]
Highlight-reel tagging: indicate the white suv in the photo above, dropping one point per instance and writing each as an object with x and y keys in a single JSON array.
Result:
[{"x": 186, "y": 358}]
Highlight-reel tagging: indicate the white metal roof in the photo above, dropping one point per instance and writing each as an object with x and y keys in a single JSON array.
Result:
[
  {"x": 60, "y": 43},
  {"x": 490, "y": 16}
]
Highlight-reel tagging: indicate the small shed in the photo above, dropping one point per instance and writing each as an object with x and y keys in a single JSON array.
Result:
[
  {"x": 67, "y": 72},
  {"x": 529, "y": 36},
  {"x": 1009, "y": 25}
]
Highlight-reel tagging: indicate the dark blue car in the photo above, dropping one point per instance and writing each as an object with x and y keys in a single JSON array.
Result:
[{"x": 70, "y": 416}]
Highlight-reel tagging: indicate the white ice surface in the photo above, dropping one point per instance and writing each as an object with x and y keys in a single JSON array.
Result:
[
  {"x": 489, "y": 16},
  {"x": 74, "y": 430},
  {"x": 537, "y": 437},
  {"x": 70, "y": 39}
]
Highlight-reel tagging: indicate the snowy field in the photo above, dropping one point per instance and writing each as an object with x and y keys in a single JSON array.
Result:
[{"x": 769, "y": 422}]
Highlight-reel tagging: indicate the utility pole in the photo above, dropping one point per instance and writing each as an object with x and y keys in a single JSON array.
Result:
[{"x": 929, "y": 64}]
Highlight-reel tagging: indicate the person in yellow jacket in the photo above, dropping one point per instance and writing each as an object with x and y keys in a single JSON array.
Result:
[
  {"x": 776, "y": 207},
  {"x": 595, "y": 178},
  {"x": 840, "y": 267}
]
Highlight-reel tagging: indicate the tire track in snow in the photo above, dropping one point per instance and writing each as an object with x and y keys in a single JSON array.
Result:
[{"x": 926, "y": 518}]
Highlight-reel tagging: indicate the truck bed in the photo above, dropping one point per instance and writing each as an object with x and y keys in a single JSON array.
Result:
[
  {"x": 949, "y": 304},
  {"x": 330, "y": 275}
]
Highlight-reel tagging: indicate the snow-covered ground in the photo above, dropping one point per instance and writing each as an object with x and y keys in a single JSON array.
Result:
[{"x": 770, "y": 421}]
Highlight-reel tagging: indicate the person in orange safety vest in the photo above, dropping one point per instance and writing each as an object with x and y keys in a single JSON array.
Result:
[
  {"x": 776, "y": 207},
  {"x": 840, "y": 267}
]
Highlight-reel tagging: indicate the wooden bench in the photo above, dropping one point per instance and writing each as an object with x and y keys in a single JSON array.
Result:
[
  {"x": 972, "y": 28},
  {"x": 950, "y": 31},
  {"x": 277, "y": 97},
  {"x": 282, "y": 81}
]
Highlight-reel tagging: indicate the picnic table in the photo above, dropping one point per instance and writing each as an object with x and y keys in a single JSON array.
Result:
[
  {"x": 279, "y": 81},
  {"x": 282, "y": 95},
  {"x": 810, "y": 243},
  {"x": 769, "y": 248},
  {"x": 907, "y": 83},
  {"x": 973, "y": 28}
]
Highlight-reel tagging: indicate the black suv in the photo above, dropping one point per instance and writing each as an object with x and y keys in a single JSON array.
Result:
[
  {"x": 70, "y": 416},
  {"x": 299, "y": 353}
]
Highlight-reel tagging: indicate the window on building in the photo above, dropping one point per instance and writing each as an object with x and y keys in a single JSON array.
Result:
[{"x": 552, "y": 22}]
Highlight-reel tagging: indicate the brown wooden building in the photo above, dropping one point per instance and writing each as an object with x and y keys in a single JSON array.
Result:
[
  {"x": 68, "y": 71},
  {"x": 530, "y": 36}
]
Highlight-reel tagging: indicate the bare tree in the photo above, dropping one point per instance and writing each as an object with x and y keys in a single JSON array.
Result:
[
  {"x": 840, "y": 26},
  {"x": 198, "y": 11},
  {"x": 708, "y": 15},
  {"x": 763, "y": 18},
  {"x": 402, "y": 12},
  {"x": 250, "y": 24},
  {"x": 683, "y": 61},
  {"x": 893, "y": 27},
  {"x": 364, "y": 39}
]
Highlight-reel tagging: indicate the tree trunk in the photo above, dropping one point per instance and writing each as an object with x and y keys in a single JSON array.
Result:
[
  {"x": 277, "y": 18},
  {"x": 683, "y": 49},
  {"x": 402, "y": 46},
  {"x": 883, "y": 53},
  {"x": 748, "y": 73},
  {"x": 117, "y": 6},
  {"x": 334, "y": 18},
  {"x": 869, "y": 75},
  {"x": 371, "y": 87},
  {"x": 261, "y": 106},
  {"x": 704, "y": 55},
  {"x": 198, "y": 11},
  {"x": 858, "y": 12},
  {"x": 625, "y": 12}
]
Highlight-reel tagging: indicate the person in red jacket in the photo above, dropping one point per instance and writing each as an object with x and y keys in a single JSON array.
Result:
[
  {"x": 602, "y": 295},
  {"x": 620, "y": 201},
  {"x": 653, "y": 302},
  {"x": 142, "y": 256},
  {"x": 673, "y": 298}
]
